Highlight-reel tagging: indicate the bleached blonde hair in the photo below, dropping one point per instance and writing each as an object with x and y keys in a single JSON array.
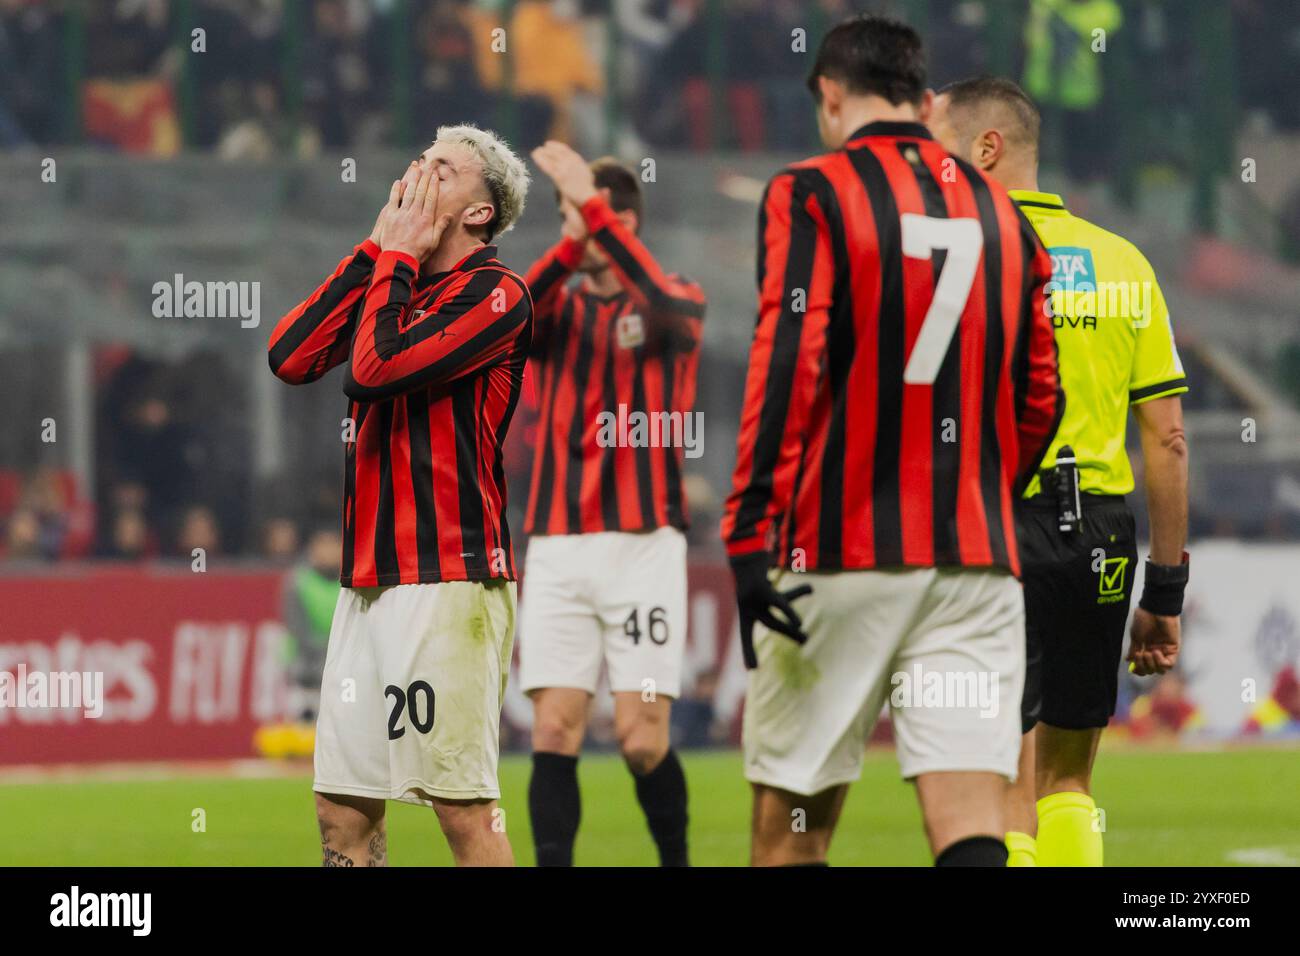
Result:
[{"x": 504, "y": 172}]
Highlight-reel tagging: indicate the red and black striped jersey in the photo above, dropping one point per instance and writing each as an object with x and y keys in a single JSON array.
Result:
[
  {"x": 903, "y": 379},
  {"x": 436, "y": 367},
  {"x": 608, "y": 366}
]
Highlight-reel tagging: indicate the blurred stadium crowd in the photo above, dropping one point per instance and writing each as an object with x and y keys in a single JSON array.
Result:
[
  {"x": 317, "y": 79},
  {"x": 340, "y": 73}
]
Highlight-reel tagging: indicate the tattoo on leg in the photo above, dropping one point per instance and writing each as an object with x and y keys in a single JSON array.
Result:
[
  {"x": 332, "y": 857},
  {"x": 378, "y": 849}
]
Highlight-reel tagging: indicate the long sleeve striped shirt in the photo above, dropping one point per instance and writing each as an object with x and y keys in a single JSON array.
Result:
[
  {"x": 436, "y": 364},
  {"x": 903, "y": 381},
  {"x": 608, "y": 366}
]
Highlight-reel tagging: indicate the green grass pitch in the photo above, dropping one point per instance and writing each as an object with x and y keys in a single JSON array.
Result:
[{"x": 1162, "y": 809}]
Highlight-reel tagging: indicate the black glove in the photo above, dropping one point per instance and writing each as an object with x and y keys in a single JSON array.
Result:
[{"x": 757, "y": 600}]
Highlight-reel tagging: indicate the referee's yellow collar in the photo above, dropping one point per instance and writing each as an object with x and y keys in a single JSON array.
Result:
[{"x": 1028, "y": 197}]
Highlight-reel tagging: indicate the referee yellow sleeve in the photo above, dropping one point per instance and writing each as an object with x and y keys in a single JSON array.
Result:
[{"x": 1157, "y": 369}]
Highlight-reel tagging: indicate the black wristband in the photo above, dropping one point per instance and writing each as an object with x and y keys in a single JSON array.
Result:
[{"x": 1163, "y": 586}]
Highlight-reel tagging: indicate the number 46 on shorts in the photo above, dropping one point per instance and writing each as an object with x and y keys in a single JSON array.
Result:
[{"x": 656, "y": 626}]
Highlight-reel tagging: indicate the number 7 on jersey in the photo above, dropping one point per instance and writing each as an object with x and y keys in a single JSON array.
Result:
[{"x": 963, "y": 240}]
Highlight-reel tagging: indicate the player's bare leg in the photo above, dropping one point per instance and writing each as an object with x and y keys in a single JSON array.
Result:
[
  {"x": 554, "y": 803},
  {"x": 1018, "y": 806},
  {"x": 963, "y": 808},
  {"x": 352, "y": 830},
  {"x": 642, "y": 729},
  {"x": 793, "y": 829},
  {"x": 1069, "y": 832},
  {"x": 559, "y": 719},
  {"x": 1019, "y": 810},
  {"x": 475, "y": 831}
]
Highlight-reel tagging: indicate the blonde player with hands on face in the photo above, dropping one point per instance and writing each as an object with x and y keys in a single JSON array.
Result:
[{"x": 435, "y": 331}]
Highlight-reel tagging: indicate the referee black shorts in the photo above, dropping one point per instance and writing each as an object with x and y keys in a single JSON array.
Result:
[{"x": 1077, "y": 591}]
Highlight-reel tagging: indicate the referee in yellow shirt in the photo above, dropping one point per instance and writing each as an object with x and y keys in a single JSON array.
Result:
[{"x": 1077, "y": 534}]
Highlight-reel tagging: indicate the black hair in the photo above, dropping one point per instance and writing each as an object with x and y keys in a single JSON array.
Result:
[
  {"x": 872, "y": 54},
  {"x": 623, "y": 185}
]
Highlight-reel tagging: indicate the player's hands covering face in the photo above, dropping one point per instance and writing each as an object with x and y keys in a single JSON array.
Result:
[
  {"x": 411, "y": 222},
  {"x": 407, "y": 181},
  {"x": 574, "y": 227}
]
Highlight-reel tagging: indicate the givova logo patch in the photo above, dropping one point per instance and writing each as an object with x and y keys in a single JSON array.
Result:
[{"x": 1110, "y": 586}]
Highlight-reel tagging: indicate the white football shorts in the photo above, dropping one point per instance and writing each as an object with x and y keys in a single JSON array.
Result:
[
  {"x": 609, "y": 597},
  {"x": 944, "y": 647},
  {"x": 410, "y": 703}
]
